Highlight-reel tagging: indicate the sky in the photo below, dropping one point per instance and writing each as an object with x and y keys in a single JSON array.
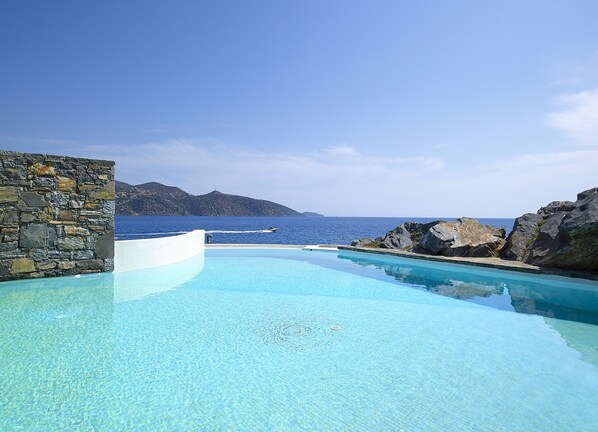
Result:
[{"x": 346, "y": 108}]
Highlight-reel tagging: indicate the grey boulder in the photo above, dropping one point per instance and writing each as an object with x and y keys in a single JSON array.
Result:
[
  {"x": 465, "y": 237},
  {"x": 524, "y": 232},
  {"x": 569, "y": 239}
]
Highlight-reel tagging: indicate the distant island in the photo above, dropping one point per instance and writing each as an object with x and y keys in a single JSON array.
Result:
[{"x": 156, "y": 199}]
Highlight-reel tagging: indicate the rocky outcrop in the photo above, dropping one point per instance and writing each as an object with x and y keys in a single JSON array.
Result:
[
  {"x": 406, "y": 236},
  {"x": 366, "y": 242},
  {"x": 524, "y": 232},
  {"x": 562, "y": 234},
  {"x": 465, "y": 237}
]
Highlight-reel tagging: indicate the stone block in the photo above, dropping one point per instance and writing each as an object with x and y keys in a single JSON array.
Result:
[
  {"x": 38, "y": 169},
  {"x": 46, "y": 214},
  {"x": 34, "y": 236},
  {"x": 28, "y": 217},
  {"x": 84, "y": 188},
  {"x": 105, "y": 193},
  {"x": 44, "y": 184},
  {"x": 46, "y": 265},
  {"x": 4, "y": 268},
  {"x": 105, "y": 245},
  {"x": 22, "y": 265},
  {"x": 91, "y": 264},
  {"x": 82, "y": 254},
  {"x": 70, "y": 243},
  {"x": 38, "y": 254},
  {"x": 13, "y": 237},
  {"x": 66, "y": 265},
  {"x": 33, "y": 199},
  {"x": 66, "y": 215},
  {"x": 8, "y": 216},
  {"x": 75, "y": 231},
  {"x": 9, "y": 194},
  {"x": 8, "y": 246},
  {"x": 59, "y": 199},
  {"x": 66, "y": 184}
]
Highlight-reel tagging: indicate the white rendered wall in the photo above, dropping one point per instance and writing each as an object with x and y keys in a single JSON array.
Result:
[{"x": 147, "y": 253}]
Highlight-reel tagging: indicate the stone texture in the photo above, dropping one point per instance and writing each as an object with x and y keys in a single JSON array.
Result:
[
  {"x": 33, "y": 199},
  {"x": 22, "y": 265},
  {"x": 105, "y": 245},
  {"x": 71, "y": 243},
  {"x": 34, "y": 236},
  {"x": 525, "y": 230},
  {"x": 105, "y": 193},
  {"x": 465, "y": 237},
  {"x": 40, "y": 169},
  {"x": 8, "y": 194},
  {"x": 66, "y": 184},
  {"x": 76, "y": 231},
  {"x": 44, "y": 230}
]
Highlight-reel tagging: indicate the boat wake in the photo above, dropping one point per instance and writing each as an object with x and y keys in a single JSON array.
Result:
[
  {"x": 270, "y": 230},
  {"x": 168, "y": 233}
]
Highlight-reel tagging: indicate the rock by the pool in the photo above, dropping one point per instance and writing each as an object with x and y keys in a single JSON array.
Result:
[
  {"x": 563, "y": 234},
  {"x": 519, "y": 240},
  {"x": 569, "y": 239},
  {"x": 465, "y": 237},
  {"x": 366, "y": 242},
  {"x": 406, "y": 236}
]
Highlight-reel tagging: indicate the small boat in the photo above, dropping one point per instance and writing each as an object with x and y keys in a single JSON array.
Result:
[{"x": 272, "y": 229}]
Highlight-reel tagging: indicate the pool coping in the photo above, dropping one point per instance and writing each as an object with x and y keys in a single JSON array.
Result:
[{"x": 496, "y": 263}]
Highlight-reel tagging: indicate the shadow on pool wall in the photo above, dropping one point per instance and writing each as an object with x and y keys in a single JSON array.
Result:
[{"x": 137, "y": 284}]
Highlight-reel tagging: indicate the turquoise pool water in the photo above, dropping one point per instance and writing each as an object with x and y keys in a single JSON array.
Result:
[{"x": 279, "y": 340}]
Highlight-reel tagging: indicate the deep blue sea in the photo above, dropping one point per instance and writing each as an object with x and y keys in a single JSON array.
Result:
[{"x": 291, "y": 230}]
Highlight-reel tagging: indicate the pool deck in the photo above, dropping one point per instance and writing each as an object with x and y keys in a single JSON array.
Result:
[{"x": 496, "y": 263}]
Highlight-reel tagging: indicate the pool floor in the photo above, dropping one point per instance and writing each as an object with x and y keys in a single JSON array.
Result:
[{"x": 280, "y": 340}]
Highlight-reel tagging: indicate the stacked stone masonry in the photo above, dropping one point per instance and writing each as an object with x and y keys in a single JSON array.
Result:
[{"x": 56, "y": 215}]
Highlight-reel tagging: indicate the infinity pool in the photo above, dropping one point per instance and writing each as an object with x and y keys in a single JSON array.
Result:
[{"x": 292, "y": 340}]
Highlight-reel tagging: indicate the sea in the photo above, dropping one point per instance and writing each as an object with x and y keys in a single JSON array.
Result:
[{"x": 257, "y": 230}]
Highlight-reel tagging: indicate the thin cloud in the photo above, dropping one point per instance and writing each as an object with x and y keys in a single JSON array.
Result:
[
  {"x": 579, "y": 117},
  {"x": 325, "y": 182},
  {"x": 343, "y": 150}
]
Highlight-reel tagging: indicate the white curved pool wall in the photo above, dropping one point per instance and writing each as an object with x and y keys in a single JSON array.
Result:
[{"x": 147, "y": 253}]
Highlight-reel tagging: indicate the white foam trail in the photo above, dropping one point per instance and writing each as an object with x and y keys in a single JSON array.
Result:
[
  {"x": 238, "y": 232},
  {"x": 184, "y": 232},
  {"x": 153, "y": 233}
]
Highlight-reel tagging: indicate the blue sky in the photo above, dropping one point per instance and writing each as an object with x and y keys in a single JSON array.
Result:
[{"x": 377, "y": 108}]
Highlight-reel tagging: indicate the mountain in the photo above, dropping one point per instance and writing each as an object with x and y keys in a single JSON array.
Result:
[
  {"x": 150, "y": 199},
  {"x": 312, "y": 214},
  {"x": 157, "y": 199}
]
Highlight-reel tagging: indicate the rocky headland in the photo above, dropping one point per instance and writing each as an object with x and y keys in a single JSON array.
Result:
[
  {"x": 563, "y": 234},
  {"x": 156, "y": 199}
]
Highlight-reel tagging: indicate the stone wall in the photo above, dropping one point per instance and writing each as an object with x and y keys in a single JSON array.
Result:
[{"x": 56, "y": 215}]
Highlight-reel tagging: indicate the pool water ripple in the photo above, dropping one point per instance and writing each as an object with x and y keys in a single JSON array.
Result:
[{"x": 301, "y": 334}]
